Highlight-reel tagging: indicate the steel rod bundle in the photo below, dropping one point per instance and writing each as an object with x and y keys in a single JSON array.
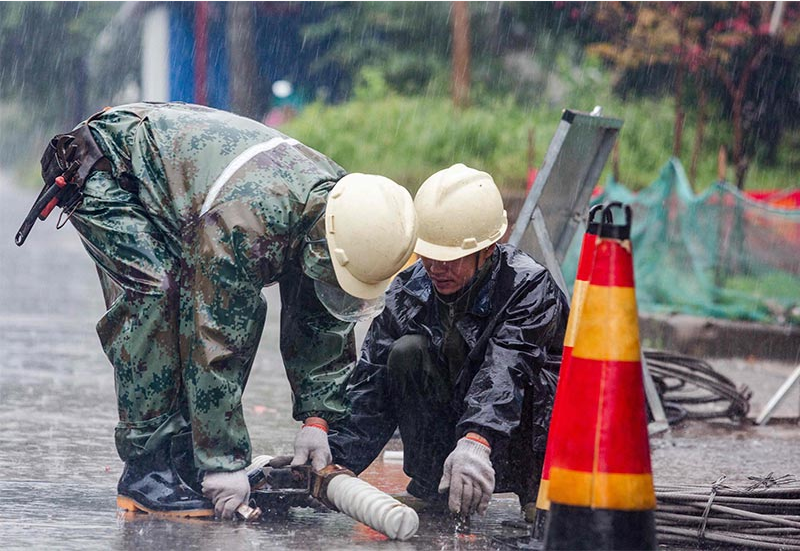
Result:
[{"x": 764, "y": 515}]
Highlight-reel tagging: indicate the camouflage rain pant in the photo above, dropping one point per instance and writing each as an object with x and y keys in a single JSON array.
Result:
[{"x": 147, "y": 329}]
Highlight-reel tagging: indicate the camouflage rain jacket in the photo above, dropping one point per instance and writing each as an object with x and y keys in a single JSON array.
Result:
[{"x": 200, "y": 211}]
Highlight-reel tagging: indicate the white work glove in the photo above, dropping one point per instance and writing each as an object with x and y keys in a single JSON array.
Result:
[
  {"x": 469, "y": 475},
  {"x": 311, "y": 443},
  {"x": 227, "y": 490}
]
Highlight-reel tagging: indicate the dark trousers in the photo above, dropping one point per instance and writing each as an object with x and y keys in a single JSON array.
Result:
[
  {"x": 422, "y": 397},
  {"x": 421, "y": 394}
]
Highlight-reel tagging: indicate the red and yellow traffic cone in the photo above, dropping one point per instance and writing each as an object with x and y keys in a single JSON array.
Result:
[
  {"x": 601, "y": 483},
  {"x": 585, "y": 260}
]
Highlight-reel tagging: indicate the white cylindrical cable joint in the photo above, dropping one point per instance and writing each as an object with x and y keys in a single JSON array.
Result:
[
  {"x": 378, "y": 510},
  {"x": 259, "y": 462}
]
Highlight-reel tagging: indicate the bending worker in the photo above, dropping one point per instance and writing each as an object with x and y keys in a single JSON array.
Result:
[
  {"x": 188, "y": 213},
  {"x": 464, "y": 359}
]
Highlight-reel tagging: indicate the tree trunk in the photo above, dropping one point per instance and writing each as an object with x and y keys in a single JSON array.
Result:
[
  {"x": 201, "y": 53},
  {"x": 680, "y": 114},
  {"x": 461, "y": 54},
  {"x": 76, "y": 93},
  {"x": 740, "y": 160},
  {"x": 699, "y": 130},
  {"x": 241, "y": 51}
]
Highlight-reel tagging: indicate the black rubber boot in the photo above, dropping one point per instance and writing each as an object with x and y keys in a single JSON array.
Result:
[
  {"x": 151, "y": 484},
  {"x": 182, "y": 454}
]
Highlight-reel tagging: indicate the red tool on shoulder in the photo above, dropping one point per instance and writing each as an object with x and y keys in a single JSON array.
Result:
[{"x": 66, "y": 164}]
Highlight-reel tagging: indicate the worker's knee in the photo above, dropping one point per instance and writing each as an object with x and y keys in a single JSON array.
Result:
[{"x": 408, "y": 356}]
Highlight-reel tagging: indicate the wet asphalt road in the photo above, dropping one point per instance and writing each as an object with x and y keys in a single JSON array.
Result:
[{"x": 59, "y": 468}]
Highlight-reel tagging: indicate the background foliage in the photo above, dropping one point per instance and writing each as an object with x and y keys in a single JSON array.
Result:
[{"x": 61, "y": 61}]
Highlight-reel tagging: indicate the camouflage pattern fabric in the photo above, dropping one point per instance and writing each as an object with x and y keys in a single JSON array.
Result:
[{"x": 201, "y": 210}]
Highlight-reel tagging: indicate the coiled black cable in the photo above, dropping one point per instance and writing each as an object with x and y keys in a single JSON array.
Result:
[{"x": 692, "y": 389}]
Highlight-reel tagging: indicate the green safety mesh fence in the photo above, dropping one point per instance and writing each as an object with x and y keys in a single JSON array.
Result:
[{"x": 719, "y": 253}]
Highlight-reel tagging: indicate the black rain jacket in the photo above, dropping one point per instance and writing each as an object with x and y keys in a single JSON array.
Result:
[{"x": 514, "y": 330}]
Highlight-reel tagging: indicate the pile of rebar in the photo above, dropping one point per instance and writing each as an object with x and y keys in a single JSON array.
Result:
[
  {"x": 690, "y": 388},
  {"x": 764, "y": 515}
]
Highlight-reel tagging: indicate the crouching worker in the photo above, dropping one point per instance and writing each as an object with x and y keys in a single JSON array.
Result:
[
  {"x": 464, "y": 359},
  {"x": 188, "y": 212}
]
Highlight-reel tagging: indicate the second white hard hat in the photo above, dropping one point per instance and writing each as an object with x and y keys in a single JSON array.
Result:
[
  {"x": 459, "y": 212},
  {"x": 371, "y": 228}
]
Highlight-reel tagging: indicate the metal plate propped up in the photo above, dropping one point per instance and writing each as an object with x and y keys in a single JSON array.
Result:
[{"x": 563, "y": 187}]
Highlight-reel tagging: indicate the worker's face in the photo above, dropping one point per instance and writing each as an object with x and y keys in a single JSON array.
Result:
[{"x": 449, "y": 277}]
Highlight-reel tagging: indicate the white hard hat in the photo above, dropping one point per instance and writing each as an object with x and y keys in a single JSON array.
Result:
[
  {"x": 371, "y": 228},
  {"x": 459, "y": 212}
]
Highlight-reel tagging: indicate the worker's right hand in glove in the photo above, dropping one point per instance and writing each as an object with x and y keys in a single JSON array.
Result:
[
  {"x": 311, "y": 444},
  {"x": 469, "y": 475},
  {"x": 227, "y": 490}
]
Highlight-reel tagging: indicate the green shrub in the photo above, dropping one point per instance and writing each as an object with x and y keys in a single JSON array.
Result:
[{"x": 409, "y": 137}]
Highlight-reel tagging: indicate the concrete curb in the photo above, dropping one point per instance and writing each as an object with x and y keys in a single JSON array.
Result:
[{"x": 716, "y": 338}]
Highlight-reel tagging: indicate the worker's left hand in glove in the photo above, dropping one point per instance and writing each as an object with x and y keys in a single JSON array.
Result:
[
  {"x": 469, "y": 475},
  {"x": 311, "y": 444},
  {"x": 227, "y": 490}
]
